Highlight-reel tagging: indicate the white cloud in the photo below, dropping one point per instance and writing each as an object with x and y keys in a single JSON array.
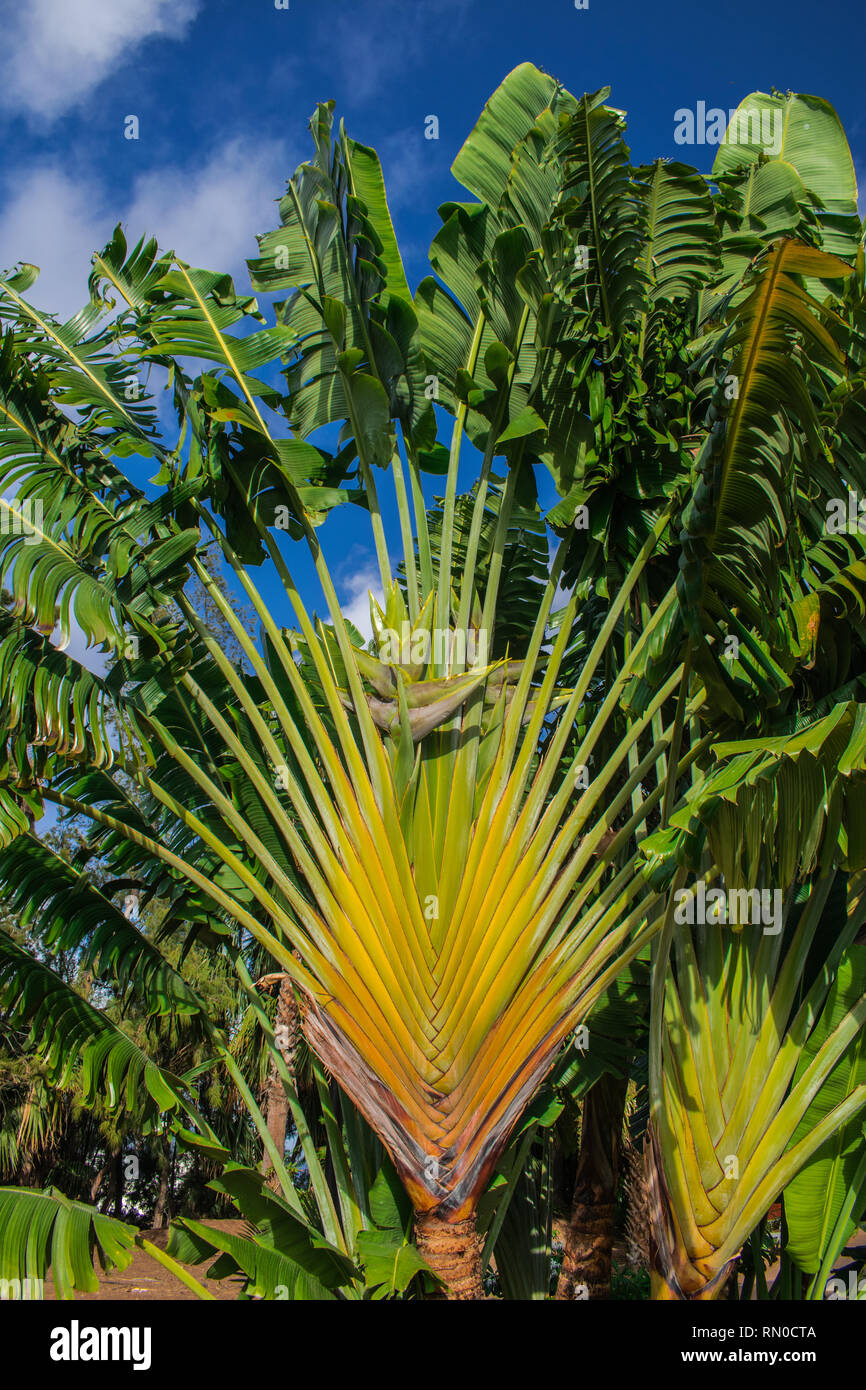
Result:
[
  {"x": 209, "y": 215},
  {"x": 91, "y": 657},
  {"x": 56, "y": 52},
  {"x": 356, "y": 605},
  {"x": 56, "y": 222}
]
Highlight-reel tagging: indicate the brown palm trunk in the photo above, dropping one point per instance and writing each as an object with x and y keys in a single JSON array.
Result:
[
  {"x": 160, "y": 1211},
  {"x": 165, "y": 1190},
  {"x": 117, "y": 1165},
  {"x": 286, "y": 1033},
  {"x": 452, "y": 1249},
  {"x": 637, "y": 1217},
  {"x": 588, "y": 1242},
  {"x": 97, "y": 1182}
]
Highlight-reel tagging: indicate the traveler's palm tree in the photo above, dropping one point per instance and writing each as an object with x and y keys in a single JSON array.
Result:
[
  {"x": 757, "y": 1029},
  {"x": 442, "y": 853}
]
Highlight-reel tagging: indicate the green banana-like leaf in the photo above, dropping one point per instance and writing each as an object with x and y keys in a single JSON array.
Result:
[
  {"x": 67, "y": 911},
  {"x": 86, "y": 373},
  {"x": 484, "y": 163},
  {"x": 817, "y": 1195},
  {"x": 522, "y": 1248},
  {"x": 50, "y": 701},
  {"x": 355, "y": 358},
  {"x": 784, "y": 802},
  {"x": 681, "y": 250},
  {"x": 742, "y": 507},
  {"x": 805, "y": 139},
  {"x": 602, "y": 210},
  {"x": 42, "y": 1231},
  {"x": 283, "y": 1257},
  {"x": 66, "y": 1032}
]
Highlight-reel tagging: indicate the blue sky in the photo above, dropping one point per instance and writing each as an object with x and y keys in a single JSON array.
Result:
[{"x": 223, "y": 90}]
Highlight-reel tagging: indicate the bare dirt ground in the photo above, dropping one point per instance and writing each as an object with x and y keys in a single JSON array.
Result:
[{"x": 144, "y": 1279}]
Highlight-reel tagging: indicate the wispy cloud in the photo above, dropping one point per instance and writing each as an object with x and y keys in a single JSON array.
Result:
[
  {"x": 56, "y": 52},
  {"x": 37, "y": 203},
  {"x": 410, "y": 165},
  {"x": 407, "y": 165},
  {"x": 208, "y": 214},
  {"x": 211, "y": 216},
  {"x": 379, "y": 42},
  {"x": 356, "y": 587}
]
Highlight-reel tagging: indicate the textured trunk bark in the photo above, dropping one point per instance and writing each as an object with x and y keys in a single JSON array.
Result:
[
  {"x": 117, "y": 1164},
  {"x": 97, "y": 1182},
  {"x": 452, "y": 1249},
  {"x": 160, "y": 1211},
  {"x": 286, "y": 1033},
  {"x": 589, "y": 1235},
  {"x": 637, "y": 1217}
]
